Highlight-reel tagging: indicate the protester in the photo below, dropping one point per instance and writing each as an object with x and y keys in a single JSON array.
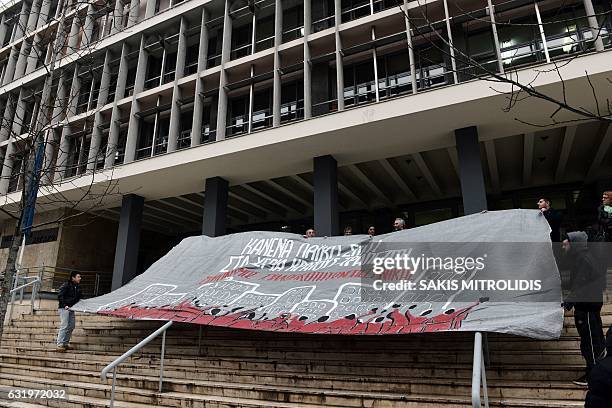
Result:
[
  {"x": 348, "y": 230},
  {"x": 310, "y": 233},
  {"x": 69, "y": 294},
  {"x": 600, "y": 383},
  {"x": 552, "y": 216},
  {"x": 399, "y": 224},
  {"x": 604, "y": 216},
  {"x": 371, "y": 231},
  {"x": 587, "y": 282}
]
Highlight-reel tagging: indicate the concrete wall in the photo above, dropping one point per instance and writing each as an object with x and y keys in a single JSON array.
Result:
[
  {"x": 84, "y": 243},
  {"x": 35, "y": 254},
  {"x": 87, "y": 243}
]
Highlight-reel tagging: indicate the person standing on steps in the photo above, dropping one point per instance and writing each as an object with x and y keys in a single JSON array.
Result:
[
  {"x": 600, "y": 384},
  {"x": 69, "y": 294},
  {"x": 604, "y": 217},
  {"x": 587, "y": 283}
]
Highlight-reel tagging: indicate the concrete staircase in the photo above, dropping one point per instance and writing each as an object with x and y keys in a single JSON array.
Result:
[{"x": 234, "y": 368}]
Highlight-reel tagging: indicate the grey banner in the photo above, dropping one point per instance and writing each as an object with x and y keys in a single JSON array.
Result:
[{"x": 283, "y": 282}]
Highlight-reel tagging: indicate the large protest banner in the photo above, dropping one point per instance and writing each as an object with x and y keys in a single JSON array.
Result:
[{"x": 493, "y": 271}]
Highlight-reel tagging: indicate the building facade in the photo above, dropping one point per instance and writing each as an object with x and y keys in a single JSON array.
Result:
[{"x": 210, "y": 116}]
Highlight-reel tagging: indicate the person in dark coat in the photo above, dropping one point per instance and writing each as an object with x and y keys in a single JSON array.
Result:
[
  {"x": 69, "y": 294},
  {"x": 587, "y": 283},
  {"x": 600, "y": 383},
  {"x": 553, "y": 217},
  {"x": 604, "y": 216}
]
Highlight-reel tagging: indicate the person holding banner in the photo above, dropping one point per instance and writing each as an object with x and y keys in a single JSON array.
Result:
[{"x": 552, "y": 216}]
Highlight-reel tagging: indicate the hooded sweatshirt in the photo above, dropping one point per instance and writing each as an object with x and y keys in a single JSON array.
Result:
[{"x": 587, "y": 277}]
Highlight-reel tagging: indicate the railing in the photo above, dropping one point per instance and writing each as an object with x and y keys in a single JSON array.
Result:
[
  {"x": 323, "y": 23},
  {"x": 113, "y": 366},
  {"x": 93, "y": 283},
  {"x": 34, "y": 283},
  {"x": 479, "y": 375},
  {"x": 293, "y": 34}
]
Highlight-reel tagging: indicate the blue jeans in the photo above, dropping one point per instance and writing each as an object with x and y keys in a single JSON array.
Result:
[{"x": 66, "y": 327}]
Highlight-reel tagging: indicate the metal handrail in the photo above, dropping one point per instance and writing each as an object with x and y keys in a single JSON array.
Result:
[
  {"x": 35, "y": 283},
  {"x": 144, "y": 342},
  {"x": 479, "y": 375}
]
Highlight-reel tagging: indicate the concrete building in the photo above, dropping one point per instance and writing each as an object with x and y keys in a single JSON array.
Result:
[{"x": 212, "y": 117}]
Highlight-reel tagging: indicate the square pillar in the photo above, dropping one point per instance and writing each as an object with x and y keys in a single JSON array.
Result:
[
  {"x": 326, "y": 196},
  {"x": 215, "y": 206},
  {"x": 128, "y": 240},
  {"x": 471, "y": 174}
]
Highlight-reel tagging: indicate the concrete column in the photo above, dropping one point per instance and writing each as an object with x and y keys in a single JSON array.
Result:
[
  {"x": 150, "y": 10},
  {"x": 62, "y": 154},
  {"x": 23, "y": 21},
  {"x": 73, "y": 97},
  {"x": 500, "y": 63},
  {"x": 9, "y": 72},
  {"x": 44, "y": 16},
  {"x": 18, "y": 124},
  {"x": 128, "y": 240},
  {"x": 105, "y": 80},
  {"x": 339, "y": 67},
  {"x": 22, "y": 60},
  {"x": 96, "y": 133},
  {"x": 88, "y": 27},
  {"x": 51, "y": 140},
  {"x": 35, "y": 52},
  {"x": 225, "y": 57},
  {"x": 7, "y": 168},
  {"x": 470, "y": 170},
  {"x": 307, "y": 72},
  {"x": 33, "y": 17},
  {"x": 118, "y": 16},
  {"x": 175, "y": 110},
  {"x": 113, "y": 133},
  {"x": 413, "y": 80},
  {"x": 133, "y": 15},
  {"x": 3, "y": 29},
  {"x": 73, "y": 37},
  {"x": 196, "y": 125},
  {"x": 134, "y": 124},
  {"x": 122, "y": 73},
  {"x": 449, "y": 33},
  {"x": 9, "y": 114},
  {"x": 59, "y": 105},
  {"x": 325, "y": 180},
  {"x": 593, "y": 25},
  {"x": 215, "y": 206},
  {"x": 278, "y": 40}
]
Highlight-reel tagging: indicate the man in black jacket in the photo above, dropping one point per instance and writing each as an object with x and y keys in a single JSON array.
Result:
[
  {"x": 587, "y": 283},
  {"x": 600, "y": 383},
  {"x": 69, "y": 294},
  {"x": 552, "y": 216}
]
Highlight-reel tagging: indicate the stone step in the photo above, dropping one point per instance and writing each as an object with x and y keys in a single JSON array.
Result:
[
  {"x": 179, "y": 338},
  {"x": 182, "y": 367},
  {"x": 311, "y": 399},
  {"x": 190, "y": 400},
  {"x": 434, "y": 356},
  {"x": 97, "y": 396},
  {"x": 273, "y": 372},
  {"x": 421, "y": 386}
]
